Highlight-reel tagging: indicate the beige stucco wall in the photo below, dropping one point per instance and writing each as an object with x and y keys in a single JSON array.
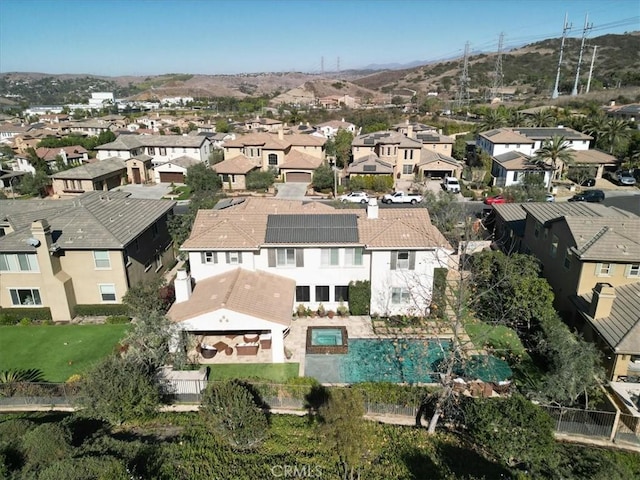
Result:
[
  {"x": 317, "y": 152},
  {"x": 238, "y": 182},
  {"x": 588, "y": 277},
  {"x": 144, "y": 170}
]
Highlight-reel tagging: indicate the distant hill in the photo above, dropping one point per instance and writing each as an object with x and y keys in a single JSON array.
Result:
[{"x": 529, "y": 68}]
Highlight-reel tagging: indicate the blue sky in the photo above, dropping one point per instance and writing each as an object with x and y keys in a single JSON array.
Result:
[{"x": 147, "y": 37}]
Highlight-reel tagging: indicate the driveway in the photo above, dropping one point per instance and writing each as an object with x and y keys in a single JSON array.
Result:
[
  {"x": 149, "y": 192},
  {"x": 291, "y": 190}
]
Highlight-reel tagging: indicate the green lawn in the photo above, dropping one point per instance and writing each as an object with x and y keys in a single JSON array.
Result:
[
  {"x": 59, "y": 351},
  {"x": 500, "y": 337},
  {"x": 277, "y": 372}
]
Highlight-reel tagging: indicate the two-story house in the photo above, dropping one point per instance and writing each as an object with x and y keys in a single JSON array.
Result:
[
  {"x": 83, "y": 251},
  {"x": 71, "y": 155},
  {"x": 510, "y": 168},
  {"x": 330, "y": 128},
  {"x": 307, "y": 254},
  {"x": 294, "y": 156},
  {"x": 161, "y": 148}
]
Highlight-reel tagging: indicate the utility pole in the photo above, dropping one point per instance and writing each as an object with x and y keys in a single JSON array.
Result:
[
  {"x": 499, "y": 77},
  {"x": 593, "y": 59},
  {"x": 566, "y": 27},
  {"x": 585, "y": 31},
  {"x": 462, "y": 95}
]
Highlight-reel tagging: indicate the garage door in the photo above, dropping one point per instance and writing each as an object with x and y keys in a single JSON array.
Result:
[
  {"x": 437, "y": 173},
  {"x": 171, "y": 177},
  {"x": 302, "y": 177}
]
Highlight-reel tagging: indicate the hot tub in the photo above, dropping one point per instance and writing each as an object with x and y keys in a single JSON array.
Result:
[{"x": 327, "y": 340}]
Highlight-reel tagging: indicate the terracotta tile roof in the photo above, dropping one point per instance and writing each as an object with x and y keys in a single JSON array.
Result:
[
  {"x": 239, "y": 165},
  {"x": 387, "y": 137},
  {"x": 515, "y": 160},
  {"x": 244, "y": 226},
  {"x": 373, "y": 166},
  {"x": 505, "y": 135},
  {"x": 595, "y": 157},
  {"x": 300, "y": 160},
  {"x": 429, "y": 156},
  {"x": 255, "y": 293},
  {"x": 271, "y": 141}
]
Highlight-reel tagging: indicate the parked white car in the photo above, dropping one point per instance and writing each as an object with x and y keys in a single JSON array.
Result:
[
  {"x": 451, "y": 184},
  {"x": 354, "y": 197}
]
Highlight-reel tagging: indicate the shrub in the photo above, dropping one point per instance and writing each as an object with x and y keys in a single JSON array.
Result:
[
  {"x": 376, "y": 183},
  {"x": 101, "y": 310},
  {"x": 232, "y": 411},
  {"x": 259, "y": 180},
  {"x": 359, "y": 297},
  {"x": 301, "y": 311},
  {"x": 45, "y": 444},
  {"x": 11, "y": 316},
  {"x": 25, "y": 322},
  {"x": 117, "y": 319}
]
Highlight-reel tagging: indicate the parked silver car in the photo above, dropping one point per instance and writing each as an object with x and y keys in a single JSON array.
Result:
[
  {"x": 354, "y": 197},
  {"x": 624, "y": 177}
]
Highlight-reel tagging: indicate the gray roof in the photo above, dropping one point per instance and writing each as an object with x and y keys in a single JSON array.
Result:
[
  {"x": 89, "y": 171},
  {"x": 621, "y": 329},
  {"x": 182, "y": 161},
  {"x": 429, "y": 156},
  {"x": 542, "y": 133},
  {"x": 371, "y": 164},
  {"x": 94, "y": 220},
  {"x": 385, "y": 138},
  {"x": 318, "y": 228},
  {"x": 510, "y": 212},
  {"x": 128, "y": 142},
  {"x": 546, "y": 212}
]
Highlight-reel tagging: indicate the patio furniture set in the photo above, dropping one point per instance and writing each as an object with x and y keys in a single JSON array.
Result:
[{"x": 250, "y": 344}]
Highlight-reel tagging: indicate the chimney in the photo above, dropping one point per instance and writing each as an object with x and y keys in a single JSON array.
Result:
[
  {"x": 280, "y": 134},
  {"x": 602, "y": 300},
  {"x": 372, "y": 209},
  {"x": 410, "y": 131},
  {"x": 182, "y": 286}
]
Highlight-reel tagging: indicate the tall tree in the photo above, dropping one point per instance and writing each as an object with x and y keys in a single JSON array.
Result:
[
  {"x": 556, "y": 152},
  {"x": 615, "y": 130},
  {"x": 342, "y": 141}
]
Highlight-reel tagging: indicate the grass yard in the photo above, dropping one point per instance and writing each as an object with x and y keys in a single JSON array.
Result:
[
  {"x": 59, "y": 351},
  {"x": 277, "y": 372}
]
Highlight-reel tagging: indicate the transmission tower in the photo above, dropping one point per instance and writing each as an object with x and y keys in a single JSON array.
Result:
[
  {"x": 499, "y": 77},
  {"x": 585, "y": 31},
  {"x": 565, "y": 29},
  {"x": 462, "y": 95},
  {"x": 593, "y": 59}
]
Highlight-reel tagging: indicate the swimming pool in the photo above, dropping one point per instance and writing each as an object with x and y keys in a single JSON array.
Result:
[{"x": 380, "y": 360}]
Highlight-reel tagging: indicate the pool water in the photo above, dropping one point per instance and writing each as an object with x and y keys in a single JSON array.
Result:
[
  {"x": 326, "y": 336},
  {"x": 380, "y": 360}
]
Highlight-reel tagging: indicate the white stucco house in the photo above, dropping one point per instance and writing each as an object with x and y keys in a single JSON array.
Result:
[
  {"x": 279, "y": 254},
  {"x": 528, "y": 140},
  {"x": 510, "y": 168},
  {"x": 162, "y": 148}
]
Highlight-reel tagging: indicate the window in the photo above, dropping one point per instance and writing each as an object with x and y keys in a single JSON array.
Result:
[
  {"x": 402, "y": 260},
  {"x": 604, "y": 269},
  {"x": 322, "y": 293},
  {"x": 151, "y": 150},
  {"x": 286, "y": 257},
  {"x": 408, "y": 154},
  {"x": 163, "y": 151},
  {"x": 25, "y": 296},
  {"x": 407, "y": 169},
  {"x": 233, "y": 258},
  {"x": 554, "y": 246},
  {"x": 329, "y": 257},
  {"x": 210, "y": 257},
  {"x": 18, "y": 262},
  {"x": 353, "y": 257},
  {"x": 273, "y": 159},
  {"x": 303, "y": 293},
  {"x": 633, "y": 270},
  {"x": 108, "y": 292},
  {"x": 101, "y": 259},
  {"x": 341, "y": 293},
  {"x": 400, "y": 295},
  {"x": 567, "y": 259}
]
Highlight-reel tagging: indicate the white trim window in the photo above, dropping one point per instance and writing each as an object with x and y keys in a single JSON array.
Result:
[
  {"x": 18, "y": 262},
  {"x": 400, "y": 295},
  {"x": 402, "y": 260},
  {"x": 286, "y": 257},
  {"x": 353, "y": 257},
  {"x": 107, "y": 292},
  {"x": 233, "y": 258},
  {"x": 25, "y": 297},
  {"x": 633, "y": 270},
  {"x": 604, "y": 269},
  {"x": 210, "y": 257},
  {"x": 330, "y": 257},
  {"x": 101, "y": 259}
]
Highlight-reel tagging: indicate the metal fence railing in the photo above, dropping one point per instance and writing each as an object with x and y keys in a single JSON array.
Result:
[{"x": 604, "y": 425}]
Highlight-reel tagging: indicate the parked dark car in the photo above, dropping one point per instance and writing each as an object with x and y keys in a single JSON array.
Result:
[{"x": 588, "y": 196}]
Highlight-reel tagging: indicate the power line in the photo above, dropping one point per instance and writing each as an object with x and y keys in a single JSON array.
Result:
[
  {"x": 585, "y": 32},
  {"x": 566, "y": 27}
]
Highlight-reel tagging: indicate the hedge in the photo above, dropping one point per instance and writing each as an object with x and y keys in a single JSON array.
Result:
[
  {"x": 376, "y": 183},
  {"x": 12, "y": 316},
  {"x": 359, "y": 297},
  {"x": 100, "y": 310}
]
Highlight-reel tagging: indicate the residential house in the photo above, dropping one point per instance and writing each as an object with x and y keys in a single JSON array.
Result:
[
  {"x": 369, "y": 165},
  {"x": 233, "y": 172},
  {"x": 10, "y": 178},
  {"x": 263, "y": 124},
  {"x": 294, "y": 156},
  {"x": 83, "y": 251},
  {"x": 510, "y": 168},
  {"x": 338, "y": 101},
  {"x": 296, "y": 253},
  {"x": 330, "y": 128},
  {"x": 72, "y": 155},
  {"x": 630, "y": 112},
  {"x": 173, "y": 171},
  {"x": 162, "y": 148},
  {"x": 93, "y": 127},
  {"x": 11, "y": 130},
  {"x": 580, "y": 244},
  {"x": 609, "y": 317},
  {"x": 97, "y": 176},
  {"x": 409, "y": 128},
  {"x": 139, "y": 169}
]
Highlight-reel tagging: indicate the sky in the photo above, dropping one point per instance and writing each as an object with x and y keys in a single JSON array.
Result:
[{"x": 152, "y": 37}]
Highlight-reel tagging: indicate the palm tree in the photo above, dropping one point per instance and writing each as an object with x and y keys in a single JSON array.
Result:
[
  {"x": 516, "y": 119},
  {"x": 492, "y": 120},
  {"x": 542, "y": 118},
  {"x": 556, "y": 152},
  {"x": 595, "y": 126},
  {"x": 614, "y": 131}
]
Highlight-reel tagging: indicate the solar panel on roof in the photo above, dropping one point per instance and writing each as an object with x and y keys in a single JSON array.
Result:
[
  {"x": 320, "y": 228},
  {"x": 369, "y": 168},
  {"x": 369, "y": 141}
]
